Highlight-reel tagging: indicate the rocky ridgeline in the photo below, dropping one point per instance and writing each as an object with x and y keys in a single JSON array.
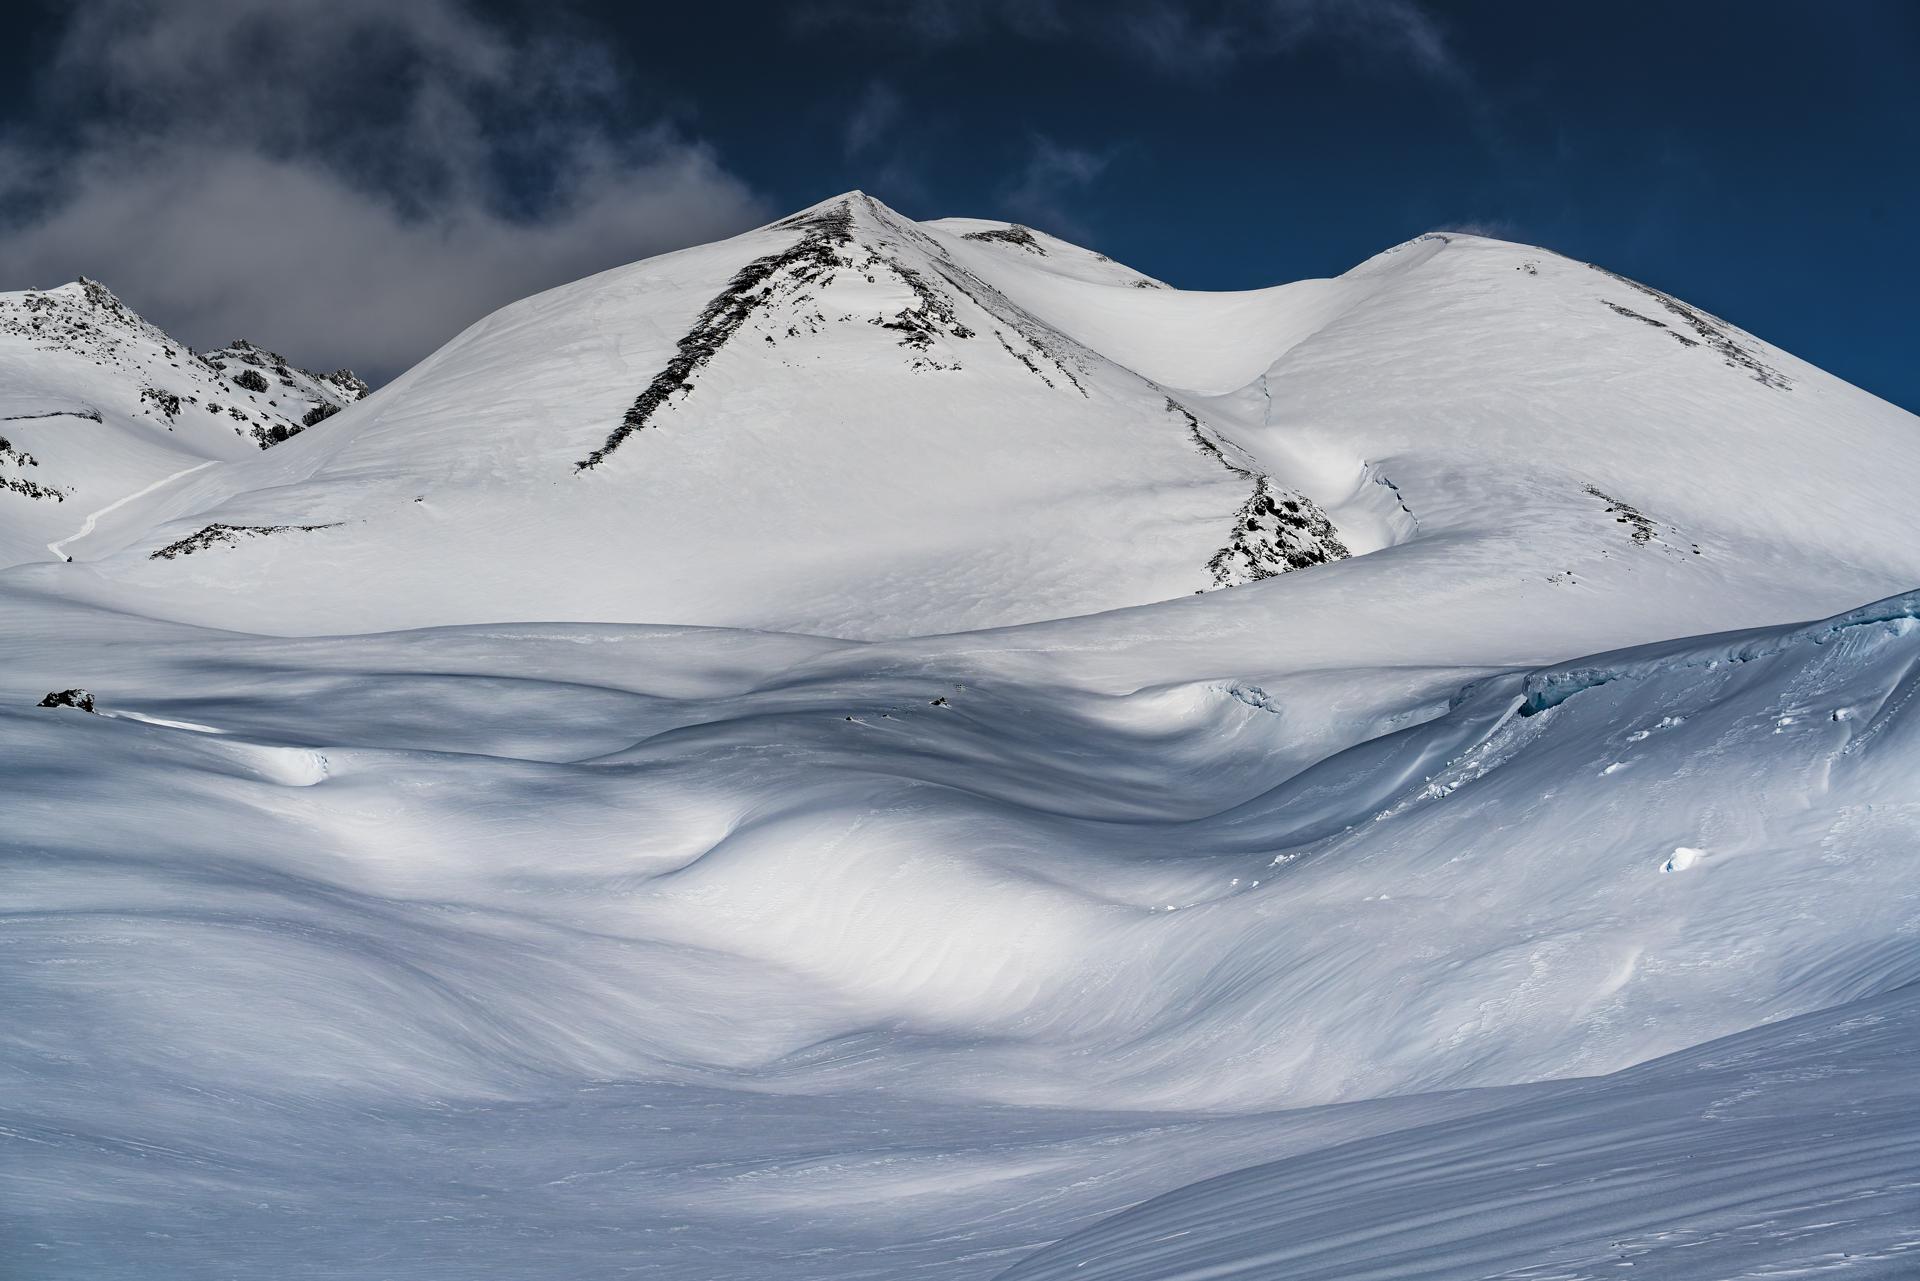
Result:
[
  {"x": 258, "y": 370},
  {"x": 782, "y": 297},
  {"x": 1011, "y": 234}
]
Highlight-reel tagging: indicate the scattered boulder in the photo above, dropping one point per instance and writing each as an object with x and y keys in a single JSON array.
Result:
[
  {"x": 69, "y": 698},
  {"x": 251, "y": 379}
]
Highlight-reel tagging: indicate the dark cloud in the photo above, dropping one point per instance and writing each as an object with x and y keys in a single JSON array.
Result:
[{"x": 351, "y": 181}]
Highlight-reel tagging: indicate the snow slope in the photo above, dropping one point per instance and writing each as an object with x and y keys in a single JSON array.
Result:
[
  {"x": 1788, "y": 1150},
  {"x": 1528, "y": 894}
]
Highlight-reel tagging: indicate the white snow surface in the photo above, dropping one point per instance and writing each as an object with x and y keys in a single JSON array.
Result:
[{"x": 828, "y": 836}]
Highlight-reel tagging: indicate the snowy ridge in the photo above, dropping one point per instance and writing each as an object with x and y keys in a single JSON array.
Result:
[{"x": 1037, "y": 249}]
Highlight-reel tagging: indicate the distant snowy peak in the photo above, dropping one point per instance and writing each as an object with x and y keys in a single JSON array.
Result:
[
  {"x": 263, "y": 402},
  {"x": 859, "y": 263},
  {"x": 85, "y": 318},
  {"x": 99, "y": 407}
]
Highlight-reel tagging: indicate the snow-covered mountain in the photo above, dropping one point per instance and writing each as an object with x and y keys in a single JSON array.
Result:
[
  {"x": 835, "y": 423},
  {"x": 926, "y": 752},
  {"x": 848, "y": 424},
  {"x": 98, "y": 406}
]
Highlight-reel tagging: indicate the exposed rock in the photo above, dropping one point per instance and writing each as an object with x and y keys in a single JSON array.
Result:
[
  {"x": 11, "y": 456},
  {"x": 1275, "y": 531},
  {"x": 229, "y": 535},
  {"x": 801, "y": 263},
  {"x": 1709, "y": 331},
  {"x": 69, "y": 698},
  {"x": 1012, "y": 234}
]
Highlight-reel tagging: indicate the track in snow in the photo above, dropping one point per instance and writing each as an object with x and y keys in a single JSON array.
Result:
[{"x": 94, "y": 519}]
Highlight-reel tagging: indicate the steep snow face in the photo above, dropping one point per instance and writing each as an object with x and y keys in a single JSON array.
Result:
[
  {"x": 829, "y": 425},
  {"x": 99, "y": 407}
]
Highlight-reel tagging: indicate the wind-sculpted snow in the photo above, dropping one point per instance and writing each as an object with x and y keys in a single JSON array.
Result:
[
  {"x": 768, "y": 940},
  {"x": 1554, "y": 686},
  {"x": 1790, "y": 1150}
]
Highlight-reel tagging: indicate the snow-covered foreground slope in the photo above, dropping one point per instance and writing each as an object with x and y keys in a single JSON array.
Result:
[
  {"x": 625, "y": 947},
  {"x": 1531, "y": 892},
  {"x": 1790, "y": 1150}
]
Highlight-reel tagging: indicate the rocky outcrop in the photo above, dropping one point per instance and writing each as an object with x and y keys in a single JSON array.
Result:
[{"x": 217, "y": 535}]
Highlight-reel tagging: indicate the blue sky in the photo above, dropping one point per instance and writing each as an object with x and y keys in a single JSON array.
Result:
[{"x": 355, "y": 180}]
